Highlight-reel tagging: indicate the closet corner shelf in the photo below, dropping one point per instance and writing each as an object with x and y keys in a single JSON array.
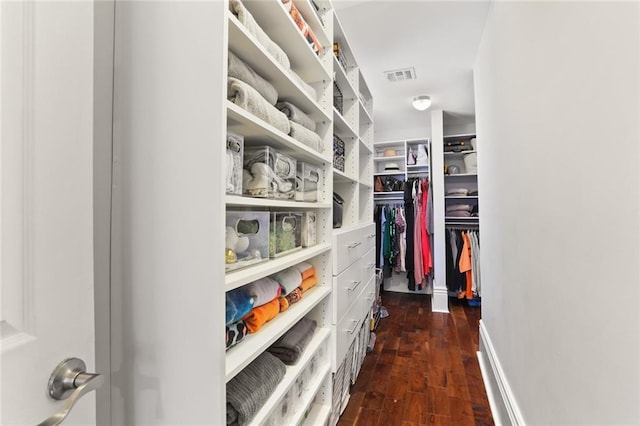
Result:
[
  {"x": 457, "y": 197},
  {"x": 365, "y": 147},
  {"x": 342, "y": 80},
  {"x": 394, "y": 173},
  {"x": 343, "y": 129},
  {"x": 460, "y": 153},
  {"x": 417, "y": 166},
  {"x": 285, "y": 32},
  {"x": 291, "y": 375},
  {"x": 394, "y": 157},
  {"x": 460, "y": 135},
  {"x": 461, "y": 219},
  {"x": 339, "y": 176},
  {"x": 237, "y": 200},
  {"x": 462, "y": 175},
  {"x": 364, "y": 114},
  {"x": 240, "y": 355},
  {"x": 387, "y": 144},
  {"x": 240, "y": 277},
  {"x": 258, "y": 132}
]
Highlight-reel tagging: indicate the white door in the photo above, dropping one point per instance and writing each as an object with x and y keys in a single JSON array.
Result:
[{"x": 46, "y": 231}]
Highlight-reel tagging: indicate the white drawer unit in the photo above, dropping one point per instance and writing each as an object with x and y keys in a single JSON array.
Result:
[
  {"x": 368, "y": 237},
  {"x": 347, "y": 287},
  {"x": 367, "y": 296},
  {"x": 349, "y": 245},
  {"x": 368, "y": 262},
  {"x": 346, "y": 331}
]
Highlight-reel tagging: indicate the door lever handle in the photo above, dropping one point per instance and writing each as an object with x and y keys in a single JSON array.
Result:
[{"x": 70, "y": 381}]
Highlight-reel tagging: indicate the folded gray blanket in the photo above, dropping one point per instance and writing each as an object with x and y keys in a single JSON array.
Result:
[
  {"x": 306, "y": 136},
  {"x": 248, "y": 391},
  {"x": 263, "y": 290},
  {"x": 458, "y": 207},
  {"x": 248, "y": 98},
  {"x": 246, "y": 18},
  {"x": 291, "y": 345},
  {"x": 458, "y": 213},
  {"x": 295, "y": 114},
  {"x": 242, "y": 71},
  {"x": 289, "y": 279},
  {"x": 306, "y": 87}
]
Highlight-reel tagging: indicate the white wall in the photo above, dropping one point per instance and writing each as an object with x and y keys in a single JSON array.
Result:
[
  {"x": 557, "y": 109},
  {"x": 167, "y": 313},
  {"x": 395, "y": 133}
]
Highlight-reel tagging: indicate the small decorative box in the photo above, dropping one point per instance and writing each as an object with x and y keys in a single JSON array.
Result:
[
  {"x": 308, "y": 182},
  {"x": 338, "y": 153},
  {"x": 285, "y": 233},
  {"x": 235, "y": 144},
  {"x": 268, "y": 173},
  {"x": 309, "y": 229},
  {"x": 246, "y": 239}
]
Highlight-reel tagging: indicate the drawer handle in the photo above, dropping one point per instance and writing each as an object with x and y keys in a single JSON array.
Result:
[
  {"x": 355, "y": 325},
  {"x": 354, "y": 245},
  {"x": 372, "y": 294},
  {"x": 355, "y": 285},
  {"x": 372, "y": 235},
  {"x": 371, "y": 266}
]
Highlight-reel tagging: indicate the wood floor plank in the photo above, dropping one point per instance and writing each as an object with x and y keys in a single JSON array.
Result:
[{"x": 423, "y": 369}]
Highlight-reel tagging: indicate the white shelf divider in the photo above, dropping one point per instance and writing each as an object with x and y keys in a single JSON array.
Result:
[
  {"x": 240, "y": 201},
  {"x": 340, "y": 176},
  {"x": 241, "y": 355}
]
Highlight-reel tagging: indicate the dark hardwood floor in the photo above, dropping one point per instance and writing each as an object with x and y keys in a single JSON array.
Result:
[{"x": 423, "y": 369}]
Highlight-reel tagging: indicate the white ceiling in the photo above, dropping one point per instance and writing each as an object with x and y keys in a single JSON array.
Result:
[{"x": 438, "y": 38}]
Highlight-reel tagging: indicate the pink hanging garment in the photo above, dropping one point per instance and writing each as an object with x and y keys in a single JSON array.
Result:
[
  {"x": 427, "y": 261},
  {"x": 418, "y": 271}
]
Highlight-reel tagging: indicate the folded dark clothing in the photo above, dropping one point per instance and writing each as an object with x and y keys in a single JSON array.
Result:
[
  {"x": 235, "y": 333},
  {"x": 291, "y": 345},
  {"x": 249, "y": 389}
]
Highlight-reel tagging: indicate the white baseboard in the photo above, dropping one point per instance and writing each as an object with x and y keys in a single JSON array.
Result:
[
  {"x": 440, "y": 300},
  {"x": 504, "y": 407}
]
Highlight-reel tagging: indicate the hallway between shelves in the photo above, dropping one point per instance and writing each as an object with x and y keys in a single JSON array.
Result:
[{"x": 423, "y": 369}]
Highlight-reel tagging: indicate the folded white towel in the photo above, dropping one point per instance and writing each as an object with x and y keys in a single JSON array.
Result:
[
  {"x": 248, "y": 98},
  {"x": 240, "y": 70}
]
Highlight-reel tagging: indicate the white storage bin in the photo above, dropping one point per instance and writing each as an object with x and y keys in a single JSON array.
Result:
[
  {"x": 309, "y": 229},
  {"x": 246, "y": 238},
  {"x": 234, "y": 155}
]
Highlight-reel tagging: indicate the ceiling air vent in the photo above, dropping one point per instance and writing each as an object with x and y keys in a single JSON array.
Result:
[{"x": 401, "y": 75}]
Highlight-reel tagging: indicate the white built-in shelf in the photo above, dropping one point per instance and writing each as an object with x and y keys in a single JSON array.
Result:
[
  {"x": 341, "y": 79},
  {"x": 313, "y": 20},
  {"x": 393, "y": 157},
  {"x": 389, "y": 144},
  {"x": 462, "y": 175},
  {"x": 417, "y": 166},
  {"x": 459, "y": 197},
  {"x": 318, "y": 415},
  {"x": 284, "y": 32},
  {"x": 342, "y": 128},
  {"x": 244, "y": 45},
  {"x": 239, "y": 201},
  {"x": 240, "y": 277},
  {"x": 323, "y": 373},
  {"x": 258, "y": 132},
  {"x": 339, "y": 176},
  {"x": 394, "y": 173},
  {"x": 366, "y": 184},
  {"x": 364, "y": 147},
  {"x": 462, "y": 219},
  {"x": 461, "y": 135},
  {"x": 460, "y": 153},
  {"x": 418, "y": 172},
  {"x": 241, "y": 355},
  {"x": 365, "y": 117},
  {"x": 320, "y": 336}
]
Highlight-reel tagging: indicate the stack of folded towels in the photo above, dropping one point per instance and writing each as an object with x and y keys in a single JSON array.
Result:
[
  {"x": 250, "y": 307},
  {"x": 302, "y": 127},
  {"x": 458, "y": 210}
]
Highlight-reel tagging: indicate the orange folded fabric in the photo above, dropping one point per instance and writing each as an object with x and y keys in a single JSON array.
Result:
[
  {"x": 308, "y": 283},
  {"x": 261, "y": 315},
  {"x": 284, "y": 303},
  {"x": 308, "y": 273}
]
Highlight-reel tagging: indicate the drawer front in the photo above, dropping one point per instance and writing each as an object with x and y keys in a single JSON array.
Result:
[
  {"x": 367, "y": 297},
  {"x": 347, "y": 249},
  {"x": 347, "y": 329},
  {"x": 368, "y": 237},
  {"x": 368, "y": 262},
  {"x": 346, "y": 288}
]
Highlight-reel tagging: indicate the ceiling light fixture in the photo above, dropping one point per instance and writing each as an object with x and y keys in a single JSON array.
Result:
[{"x": 421, "y": 103}]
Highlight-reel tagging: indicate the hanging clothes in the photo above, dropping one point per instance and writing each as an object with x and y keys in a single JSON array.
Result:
[{"x": 463, "y": 263}]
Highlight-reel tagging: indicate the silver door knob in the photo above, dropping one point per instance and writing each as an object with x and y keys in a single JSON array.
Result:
[{"x": 70, "y": 381}]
